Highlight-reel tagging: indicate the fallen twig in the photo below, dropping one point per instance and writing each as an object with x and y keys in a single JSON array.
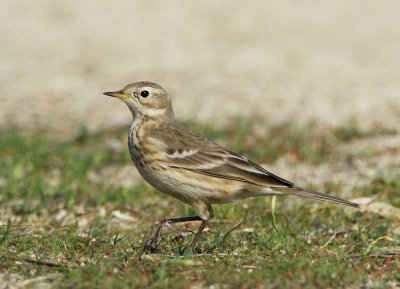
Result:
[{"x": 33, "y": 261}]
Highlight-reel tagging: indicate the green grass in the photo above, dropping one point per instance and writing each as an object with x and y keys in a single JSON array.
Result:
[{"x": 59, "y": 216}]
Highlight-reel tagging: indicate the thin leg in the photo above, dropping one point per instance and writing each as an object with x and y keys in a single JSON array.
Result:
[
  {"x": 198, "y": 234},
  {"x": 158, "y": 228}
]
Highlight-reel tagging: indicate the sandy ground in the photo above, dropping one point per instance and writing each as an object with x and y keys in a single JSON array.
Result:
[{"x": 331, "y": 61}]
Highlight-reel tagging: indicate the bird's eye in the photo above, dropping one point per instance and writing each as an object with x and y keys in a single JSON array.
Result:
[{"x": 144, "y": 93}]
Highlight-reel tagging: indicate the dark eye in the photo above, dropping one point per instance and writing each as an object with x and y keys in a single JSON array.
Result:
[{"x": 144, "y": 93}]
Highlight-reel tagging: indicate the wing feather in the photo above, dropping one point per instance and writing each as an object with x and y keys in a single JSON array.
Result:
[
  {"x": 198, "y": 154},
  {"x": 227, "y": 166}
]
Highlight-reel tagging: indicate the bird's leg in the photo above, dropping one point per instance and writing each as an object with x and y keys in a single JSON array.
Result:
[
  {"x": 158, "y": 228},
  {"x": 181, "y": 232},
  {"x": 198, "y": 234}
]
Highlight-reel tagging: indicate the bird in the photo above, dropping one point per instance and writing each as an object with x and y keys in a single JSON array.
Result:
[{"x": 191, "y": 168}]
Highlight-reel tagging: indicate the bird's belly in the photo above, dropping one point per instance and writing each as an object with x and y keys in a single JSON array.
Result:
[
  {"x": 189, "y": 186},
  {"x": 162, "y": 183}
]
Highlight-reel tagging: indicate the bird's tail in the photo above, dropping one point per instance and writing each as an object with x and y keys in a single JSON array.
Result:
[{"x": 309, "y": 194}]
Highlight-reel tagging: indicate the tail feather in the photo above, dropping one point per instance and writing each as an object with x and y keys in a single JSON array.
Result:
[{"x": 309, "y": 194}]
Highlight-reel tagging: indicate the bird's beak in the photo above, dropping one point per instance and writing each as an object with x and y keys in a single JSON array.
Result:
[{"x": 118, "y": 94}]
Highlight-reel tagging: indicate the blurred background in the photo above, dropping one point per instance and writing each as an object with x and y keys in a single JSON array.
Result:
[{"x": 329, "y": 61}]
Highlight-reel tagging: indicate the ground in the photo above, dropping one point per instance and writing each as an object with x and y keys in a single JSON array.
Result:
[
  {"x": 309, "y": 90},
  {"x": 76, "y": 214}
]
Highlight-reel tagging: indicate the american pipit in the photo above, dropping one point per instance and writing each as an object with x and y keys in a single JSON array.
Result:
[{"x": 188, "y": 166}]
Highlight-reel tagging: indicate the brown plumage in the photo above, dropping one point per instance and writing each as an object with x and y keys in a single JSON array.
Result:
[{"x": 188, "y": 166}]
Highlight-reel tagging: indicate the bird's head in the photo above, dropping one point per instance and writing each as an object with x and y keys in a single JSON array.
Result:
[{"x": 145, "y": 98}]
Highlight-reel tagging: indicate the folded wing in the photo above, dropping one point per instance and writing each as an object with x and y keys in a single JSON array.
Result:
[
  {"x": 204, "y": 157},
  {"x": 226, "y": 165}
]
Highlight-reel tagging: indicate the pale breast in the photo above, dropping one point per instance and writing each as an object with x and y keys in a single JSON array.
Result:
[
  {"x": 134, "y": 147},
  {"x": 144, "y": 155}
]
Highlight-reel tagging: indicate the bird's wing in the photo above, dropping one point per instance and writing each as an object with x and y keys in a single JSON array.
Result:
[
  {"x": 197, "y": 154},
  {"x": 227, "y": 166}
]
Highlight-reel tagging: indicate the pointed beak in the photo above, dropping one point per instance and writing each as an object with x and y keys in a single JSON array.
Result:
[{"x": 118, "y": 94}]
